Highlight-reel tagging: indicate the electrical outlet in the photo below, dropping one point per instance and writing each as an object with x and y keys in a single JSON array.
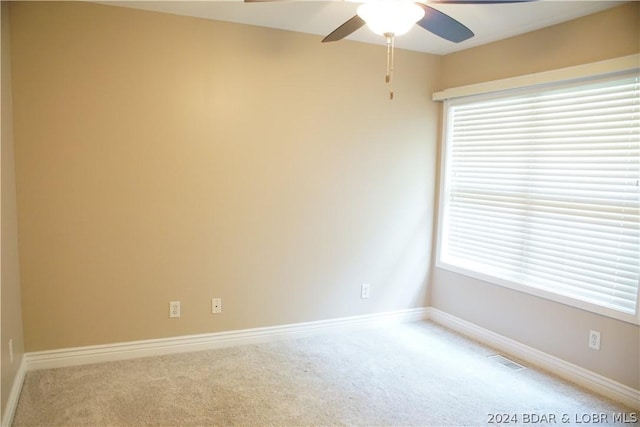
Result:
[
  {"x": 174, "y": 309},
  {"x": 594, "y": 339},
  {"x": 216, "y": 305},
  {"x": 11, "y": 350},
  {"x": 365, "y": 291}
]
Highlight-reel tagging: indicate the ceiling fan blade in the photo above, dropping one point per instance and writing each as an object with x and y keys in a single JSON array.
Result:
[
  {"x": 345, "y": 29},
  {"x": 443, "y": 25}
]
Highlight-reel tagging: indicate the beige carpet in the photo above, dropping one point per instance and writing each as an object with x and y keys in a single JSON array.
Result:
[{"x": 410, "y": 374}]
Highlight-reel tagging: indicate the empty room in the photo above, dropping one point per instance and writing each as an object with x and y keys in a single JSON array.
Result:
[{"x": 320, "y": 213}]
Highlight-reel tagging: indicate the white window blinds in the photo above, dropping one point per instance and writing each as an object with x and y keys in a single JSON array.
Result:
[{"x": 541, "y": 189}]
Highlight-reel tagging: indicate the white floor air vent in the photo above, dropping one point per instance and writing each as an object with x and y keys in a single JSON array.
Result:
[{"x": 506, "y": 362}]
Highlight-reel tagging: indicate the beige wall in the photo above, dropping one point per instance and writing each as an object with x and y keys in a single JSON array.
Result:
[
  {"x": 608, "y": 34},
  {"x": 554, "y": 328},
  {"x": 168, "y": 158},
  {"x": 10, "y": 280}
]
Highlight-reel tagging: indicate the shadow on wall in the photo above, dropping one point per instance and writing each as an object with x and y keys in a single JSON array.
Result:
[{"x": 407, "y": 274}]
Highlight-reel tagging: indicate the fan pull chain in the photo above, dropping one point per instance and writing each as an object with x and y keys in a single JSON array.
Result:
[{"x": 390, "y": 50}]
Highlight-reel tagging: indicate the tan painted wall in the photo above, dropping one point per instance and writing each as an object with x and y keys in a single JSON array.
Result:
[
  {"x": 10, "y": 277},
  {"x": 168, "y": 158},
  {"x": 608, "y": 34},
  {"x": 554, "y": 328}
]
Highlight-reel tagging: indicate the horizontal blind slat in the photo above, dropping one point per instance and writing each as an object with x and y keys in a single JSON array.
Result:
[{"x": 543, "y": 189}]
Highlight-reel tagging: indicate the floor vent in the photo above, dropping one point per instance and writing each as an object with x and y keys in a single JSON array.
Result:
[{"x": 506, "y": 362}]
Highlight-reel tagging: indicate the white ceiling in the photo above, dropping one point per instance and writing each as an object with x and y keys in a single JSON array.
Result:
[{"x": 489, "y": 22}]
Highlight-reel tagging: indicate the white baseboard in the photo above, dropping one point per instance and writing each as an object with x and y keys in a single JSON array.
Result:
[
  {"x": 129, "y": 350},
  {"x": 156, "y": 347},
  {"x": 14, "y": 394},
  {"x": 587, "y": 379}
]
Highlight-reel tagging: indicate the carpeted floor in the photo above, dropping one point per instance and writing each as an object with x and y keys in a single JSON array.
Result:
[{"x": 408, "y": 374}]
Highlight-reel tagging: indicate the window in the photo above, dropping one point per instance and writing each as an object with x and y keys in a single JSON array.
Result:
[{"x": 540, "y": 191}]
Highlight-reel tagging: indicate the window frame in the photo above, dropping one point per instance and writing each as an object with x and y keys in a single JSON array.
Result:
[{"x": 476, "y": 94}]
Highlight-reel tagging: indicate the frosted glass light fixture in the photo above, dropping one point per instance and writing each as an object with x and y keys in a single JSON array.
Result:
[{"x": 390, "y": 17}]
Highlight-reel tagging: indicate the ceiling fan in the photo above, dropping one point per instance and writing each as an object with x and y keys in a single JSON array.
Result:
[{"x": 391, "y": 18}]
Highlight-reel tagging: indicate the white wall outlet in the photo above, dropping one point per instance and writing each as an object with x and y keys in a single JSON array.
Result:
[
  {"x": 216, "y": 305},
  {"x": 174, "y": 309},
  {"x": 365, "y": 290},
  {"x": 594, "y": 339},
  {"x": 11, "y": 350}
]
